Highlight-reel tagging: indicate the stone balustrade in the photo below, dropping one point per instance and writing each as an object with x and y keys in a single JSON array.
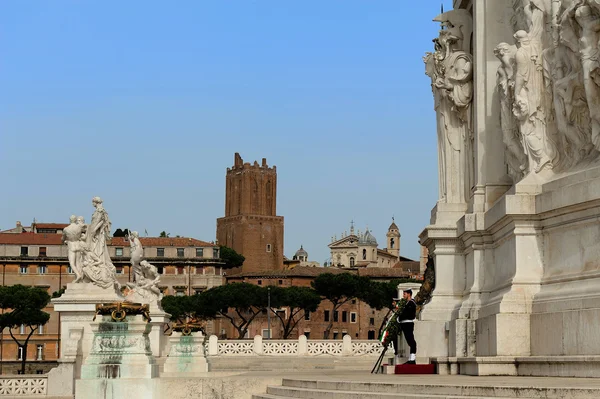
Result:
[
  {"x": 285, "y": 347},
  {"x": 23, "y": 385}
]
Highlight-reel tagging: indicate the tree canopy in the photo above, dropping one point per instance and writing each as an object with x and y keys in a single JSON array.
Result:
[
  {"x": 23, "y": 306},
  {"x": 164, "y": 234},
  {"x": 121, "y": 233},
  {"x": 299, "y": 300},
  {"x": 339, "y": 289},
  {"x": 179, "y": 307},
  {"x": 246, "y": 300},
  {"x": 231, "y": 257}
]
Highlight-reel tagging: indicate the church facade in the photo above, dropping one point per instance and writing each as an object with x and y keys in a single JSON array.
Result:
[{"x": 361, "y": 249}]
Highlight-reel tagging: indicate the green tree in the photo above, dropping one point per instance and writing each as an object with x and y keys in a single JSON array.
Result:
[
  {"x": 339, "y": 289},
  {"x": 118, "y": 233},
  {"x": 24, "y": 305},
  {"x": 58, "y": 294},
  {"x": 164, "y": 234},
  {"x": 299, "y": 300},
  {"x": 231, "y": 257},
  {"x": 179, "y": 307},
  {"x": 245, "y": 301}
]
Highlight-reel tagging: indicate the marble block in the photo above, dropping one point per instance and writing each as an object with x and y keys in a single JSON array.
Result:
[
  {"x": 187, "y": 354},
  {"x": 120, "y": 350}
]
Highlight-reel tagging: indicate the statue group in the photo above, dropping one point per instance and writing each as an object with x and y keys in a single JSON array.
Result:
[
  {"x": 90, "y": 261},
  {"x": 548, "y": 86}
]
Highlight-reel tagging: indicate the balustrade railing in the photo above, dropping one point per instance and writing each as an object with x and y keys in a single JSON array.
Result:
[
  {"x": 300, "y": 347},
  {"x": 23, "y": 385}
]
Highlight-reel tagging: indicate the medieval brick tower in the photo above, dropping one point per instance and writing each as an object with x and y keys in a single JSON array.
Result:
[{"x": 250, "y": 225}]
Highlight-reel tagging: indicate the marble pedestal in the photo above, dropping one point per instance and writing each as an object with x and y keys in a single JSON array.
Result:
[
  {"x": 187, "y": 354},
  {"x": 76, "y": 309},
  {"x": 158, "y": 340},
  {"x": 120, "y": 361}
]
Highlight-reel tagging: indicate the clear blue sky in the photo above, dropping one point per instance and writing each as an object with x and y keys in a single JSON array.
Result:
[{"x": 144, "y": 103}]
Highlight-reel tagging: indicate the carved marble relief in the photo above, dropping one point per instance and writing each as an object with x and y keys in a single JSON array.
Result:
[{"x": 551, "y": 82}]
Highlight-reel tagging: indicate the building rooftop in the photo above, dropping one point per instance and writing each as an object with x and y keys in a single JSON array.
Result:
[
  {"x": 307, "y": 271},
  {"x": 56, "y": 239}
]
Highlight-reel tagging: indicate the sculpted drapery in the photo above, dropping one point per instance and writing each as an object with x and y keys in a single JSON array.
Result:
[
  {"x": 450, "y": 68},
  {"x": 553, "y": 81}
]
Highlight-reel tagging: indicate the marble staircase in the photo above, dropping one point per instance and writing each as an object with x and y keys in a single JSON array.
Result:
[{"x": 406, "y": 387}]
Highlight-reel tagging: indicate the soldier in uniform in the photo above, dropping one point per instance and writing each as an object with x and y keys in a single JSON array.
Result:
[{"x": 406, "y": 321}]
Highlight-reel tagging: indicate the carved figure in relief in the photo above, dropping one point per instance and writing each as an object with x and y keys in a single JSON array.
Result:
[
  {"x": 450, "y": 69},
  {"x": 590, "y": 59},
  {"x": 136, "y": 255},
  {"x": 534, "y": 12},
  {"x": 528, "y": 105},
  {"x": 515, "y": 156}
]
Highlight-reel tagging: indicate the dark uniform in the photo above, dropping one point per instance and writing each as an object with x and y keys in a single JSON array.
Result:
[{"x": 407, "y": 324}]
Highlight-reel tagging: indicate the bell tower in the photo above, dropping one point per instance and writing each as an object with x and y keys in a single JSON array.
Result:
[
  {"x": 393, "y": 239},
  {"x": 251, "y": 226}
]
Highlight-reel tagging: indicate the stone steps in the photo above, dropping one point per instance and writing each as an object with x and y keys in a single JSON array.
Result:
[
  {"x": 407, "y": 389},
  {"x": 264, "y": 363},
  {"x": 307, "y": 393}
]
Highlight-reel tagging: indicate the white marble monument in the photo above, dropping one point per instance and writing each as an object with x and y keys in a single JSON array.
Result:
[
  {"x": 515, "y": 234},
  {"x": 132, "y": 349}
]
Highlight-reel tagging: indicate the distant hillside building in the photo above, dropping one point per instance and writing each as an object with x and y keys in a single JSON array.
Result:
[
  {"x": 251, "y": 226},
  {"x": 361, "y": 250}
]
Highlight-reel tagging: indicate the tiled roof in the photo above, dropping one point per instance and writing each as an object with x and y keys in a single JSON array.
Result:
[
  {"x": 51, "y": 225},
  {"x": 382, "y": 272},
  {"x": 55, "y": 239},
  {"x": 30, "y": 239},
  {"x": 385, "y": 253},
  {"x": 163, "y": 242}
]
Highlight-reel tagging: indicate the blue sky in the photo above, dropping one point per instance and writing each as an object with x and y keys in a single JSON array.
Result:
[{"x": 144, "y": 103}]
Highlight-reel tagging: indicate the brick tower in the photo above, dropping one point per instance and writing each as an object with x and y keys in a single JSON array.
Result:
[{"x": 250, "y": 225}]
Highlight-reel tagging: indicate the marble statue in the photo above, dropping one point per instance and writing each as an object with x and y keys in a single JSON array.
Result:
[
  {"x": 98, "y": 232},
  {"x": 450, "y": 68},
  {"x": 528, "y": 106},
  {"x": 515, "y": 156},
  {"x": 71, "y": 236},
  {"x": 136, "y": 255},
  {"x": 145, "y": 290},
  {"x": 88, "y": 252}
]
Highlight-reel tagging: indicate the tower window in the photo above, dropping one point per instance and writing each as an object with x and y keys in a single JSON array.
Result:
[
  {"x": 268, "y": 247},
  {"x": 392, "y": 242}
]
